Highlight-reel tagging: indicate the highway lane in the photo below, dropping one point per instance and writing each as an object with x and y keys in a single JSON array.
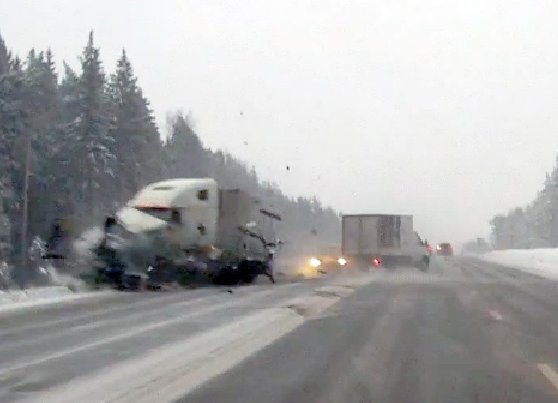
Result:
[
  {"x": 50, "y": 346},
  {"x": 467, "y": 331}
]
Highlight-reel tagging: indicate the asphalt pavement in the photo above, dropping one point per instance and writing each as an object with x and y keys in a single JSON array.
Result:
[
  {"x": 466, "y": 331},
  {"x": 47, "y": 347}
]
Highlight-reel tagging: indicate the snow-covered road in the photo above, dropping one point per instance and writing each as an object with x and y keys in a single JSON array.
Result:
[
  {"x": 150, "y": 346},
  {"x": 42, "y": 296}
]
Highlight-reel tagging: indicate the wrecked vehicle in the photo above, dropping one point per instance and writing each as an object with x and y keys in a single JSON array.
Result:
[{"x": 187, "y": 230}]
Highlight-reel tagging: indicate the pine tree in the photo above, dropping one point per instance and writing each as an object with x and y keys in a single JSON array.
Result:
[
  {"x": 550, "y": 205},
  {"x": 534, "y": 226},
  {"x": 66, "y": 175},
  {"x": 184, "y": 152},
  {"x": 5, "y": 58},
  {"x": 93, "y": 137},
  {"x": 12, "y": 127},
  {"x": 152, "y": 156},
  {"x": 136, "y": 136},
  {"x": 44, "y": 103},
  {"x": 69, "y": 93},
  {"x": 10, "y": 114}
]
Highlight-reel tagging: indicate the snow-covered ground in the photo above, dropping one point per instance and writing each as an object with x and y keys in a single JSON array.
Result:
[
  {"x": 32, "y": 297},
  {"x": 168, "y": 372},
  {"x": 543, "y": 262}
]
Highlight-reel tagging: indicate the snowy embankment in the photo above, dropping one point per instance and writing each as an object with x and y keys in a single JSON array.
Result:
[
  {"x": 32, "y": 297},
  {"x": 63, "y": 287},
  {"x": 543, "y": 262}
]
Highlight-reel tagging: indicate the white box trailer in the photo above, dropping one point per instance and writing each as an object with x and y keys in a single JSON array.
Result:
[{"x": 390, "y": 238}]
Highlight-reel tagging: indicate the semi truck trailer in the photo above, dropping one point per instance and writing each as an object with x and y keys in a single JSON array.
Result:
[{"x": 382, "y": 240}]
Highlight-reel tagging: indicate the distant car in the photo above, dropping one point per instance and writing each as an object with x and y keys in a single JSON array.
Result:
[
  {"x": 327, "y": 262},
  {"x": 428, "y": 248},
  {"x": 444, "y": 249},
  {"x": 327, "y": 259}
]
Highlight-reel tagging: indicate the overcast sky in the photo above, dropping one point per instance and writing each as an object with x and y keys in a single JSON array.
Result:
[{"x": 444, "y": 109}]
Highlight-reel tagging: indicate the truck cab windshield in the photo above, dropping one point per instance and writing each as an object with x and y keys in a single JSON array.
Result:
[{"x": 162, "y": 213}]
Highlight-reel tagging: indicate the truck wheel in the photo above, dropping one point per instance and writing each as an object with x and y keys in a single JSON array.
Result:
[
  {"x": 249, "y": 279},
  {"x": 247, "y": 273},
  {"x": 226, "y": 276}
]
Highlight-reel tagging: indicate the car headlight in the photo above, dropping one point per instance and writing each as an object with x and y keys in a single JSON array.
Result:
[
  {"x": 315, "y": 262},
  {"x": 342, "y": 261}
]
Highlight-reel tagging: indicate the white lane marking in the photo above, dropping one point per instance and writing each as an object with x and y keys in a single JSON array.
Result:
[
  {"x": 171, "y": 301},
  {"x": 46, "y": 302},
  {"x": 549, "y": 373},
  {"x": 495, "y": 315},
  {"x": 134, "y": 331},
  {"x": 95, "y": 311},
  {"x": 123, "y": 321},
  {"x": 173, "y": 371}
]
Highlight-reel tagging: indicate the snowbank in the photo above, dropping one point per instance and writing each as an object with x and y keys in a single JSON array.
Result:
[
  {"x": 15, "y": 299},
  {"x": 543, "y": 262}
]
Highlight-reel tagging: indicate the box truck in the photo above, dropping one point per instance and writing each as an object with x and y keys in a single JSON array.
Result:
[{"x": 382, "y": 240}]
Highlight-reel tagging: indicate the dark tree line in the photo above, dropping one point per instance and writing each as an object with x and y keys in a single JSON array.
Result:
[
  {"x": 532, "y": 226},
  {"x": 81, "y": 144}
]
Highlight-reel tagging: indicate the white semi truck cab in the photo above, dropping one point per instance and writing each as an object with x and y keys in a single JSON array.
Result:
[{"x": 191, "y": 223}]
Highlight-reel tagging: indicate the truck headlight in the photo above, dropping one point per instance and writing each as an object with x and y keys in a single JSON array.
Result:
[
  {"x": 315, "y": 262},
  {"x": 342, "y": 261}
]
